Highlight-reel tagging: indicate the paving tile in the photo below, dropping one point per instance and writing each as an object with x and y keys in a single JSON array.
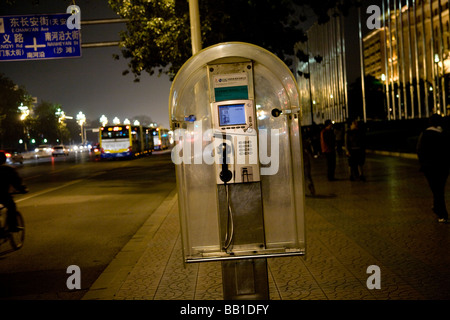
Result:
[{"x": 385, "y": 221}]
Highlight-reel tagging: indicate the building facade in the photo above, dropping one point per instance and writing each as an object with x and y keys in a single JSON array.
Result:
[
  {"x": 320, "y": 72},
  {"x": 410, "y": 55}
]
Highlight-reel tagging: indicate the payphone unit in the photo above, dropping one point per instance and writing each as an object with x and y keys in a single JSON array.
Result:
[
  {"x": 235, "y": 135},
  {"x": 249, "y": 201}
]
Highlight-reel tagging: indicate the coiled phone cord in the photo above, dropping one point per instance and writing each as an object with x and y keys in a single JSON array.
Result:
[{"x": 230, "y": 232}]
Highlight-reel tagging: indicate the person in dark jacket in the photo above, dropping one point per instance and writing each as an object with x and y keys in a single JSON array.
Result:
[
  {"x": 433, "y": 150},
  {"x": 9, "y": 178},
  {"x": 307, "y": 154},
  {"x": 355, "y": 145},
  {"x": 328, "y": 144}
]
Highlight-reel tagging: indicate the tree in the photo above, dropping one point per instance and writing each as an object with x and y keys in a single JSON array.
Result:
[
  {"x": 158, "y": 32},
  {"x": 11, "y": 97},
  {"x": 46, "y": 127},
  {"x": 143, "y": 120},
  {"x": 74, "y": 132}
]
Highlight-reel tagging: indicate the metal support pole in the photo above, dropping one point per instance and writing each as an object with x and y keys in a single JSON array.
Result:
[
  {"x": 245, "y": 279},
  {"x": 103, "y": 21},
  {"x": 411, "y": 86},
  {"x": 391, "y": 56},
  {"x": 386, "y": 68},
  {"x": 442, "y": 97},
  {"x": 416, "y": 53},
  {"x": 343, "y": 66},
  {"x": 433, "y": 73},
  {"x": 103, "y": 43},
  {"x": 397, "y": 44},
  {"x": 330, "y": 71},
  {"x": 363, "y": 90},
  {"x": 309, "y": 84},
  {"x": 402, "y": 58},
  {"x": 425, "y": 72},
  {"x": 100, "y": 44},
  {"x": 194, "y": 17},
  {"x": 336, "y": 67}
]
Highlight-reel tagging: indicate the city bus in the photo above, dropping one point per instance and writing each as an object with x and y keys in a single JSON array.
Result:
[
  {"x": 161, "y": 139},
  {"x": 125, "y": 141}
]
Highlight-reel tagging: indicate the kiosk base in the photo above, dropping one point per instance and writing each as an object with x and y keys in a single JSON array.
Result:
[{"x": 245, "y": 279}]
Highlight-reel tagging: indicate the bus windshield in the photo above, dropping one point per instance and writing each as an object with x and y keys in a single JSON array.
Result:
[{"x": 116, "y": 132}]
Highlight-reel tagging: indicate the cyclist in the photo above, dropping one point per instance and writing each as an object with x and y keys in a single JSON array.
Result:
[{"x": 9, "y": 178}]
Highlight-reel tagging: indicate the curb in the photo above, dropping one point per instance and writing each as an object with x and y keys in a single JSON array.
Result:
[
  {"x": 394, "y": 154},
  {"x": 115, "y": 274}
]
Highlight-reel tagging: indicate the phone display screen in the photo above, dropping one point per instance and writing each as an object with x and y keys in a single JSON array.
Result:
[{"x": 232, "y": 114}]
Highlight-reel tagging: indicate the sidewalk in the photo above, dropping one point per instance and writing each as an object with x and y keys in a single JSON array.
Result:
[{"x": 385, "y": 221}]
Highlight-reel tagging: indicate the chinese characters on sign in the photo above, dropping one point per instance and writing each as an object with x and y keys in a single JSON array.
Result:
[{"x": 36, "y": 37}]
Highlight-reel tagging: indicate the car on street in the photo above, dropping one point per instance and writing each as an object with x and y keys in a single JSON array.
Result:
[
  {"x": 96, "y": 150},
  {"x": 43, "y": 150},
  {"x": 12, "y": 156},
  {"x": 59, "y": 151}
]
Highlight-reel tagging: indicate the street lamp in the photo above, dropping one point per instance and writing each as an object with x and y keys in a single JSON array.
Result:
[
  {"x": 116, "y": 120},
  {"x": 61, "y": 117},
  {"x": 137, "y": 123},
  {"x": 103, "y": 120},
  {"x": 126, "y": 121},
  {"x": 24, "y": 113},
  {"x": 81, "y": 119}
]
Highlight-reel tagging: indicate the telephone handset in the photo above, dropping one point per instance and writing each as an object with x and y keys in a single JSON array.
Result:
[{"x": 225, "y": 175}]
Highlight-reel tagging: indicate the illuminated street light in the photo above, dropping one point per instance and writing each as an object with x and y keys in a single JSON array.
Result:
[
  {"x": 61, "y": 115},
  {"x": 103, "y": 120},
  {"x": 126, "y": 121},
  {"x": 81, "y": 119},
  {"x": 24, "y": 113},
  {"x": 116, "y": 120},
  {"x": 136, "y": 122}
]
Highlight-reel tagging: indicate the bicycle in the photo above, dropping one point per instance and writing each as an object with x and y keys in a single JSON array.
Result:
[{"x": 16, "y": 239}]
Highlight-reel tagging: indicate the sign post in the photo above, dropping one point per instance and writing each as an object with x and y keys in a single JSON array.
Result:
[{"x": 38, "y": 37}]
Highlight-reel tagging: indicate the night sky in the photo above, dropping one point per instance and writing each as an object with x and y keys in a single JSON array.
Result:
[{"x": 94, "y": 83}]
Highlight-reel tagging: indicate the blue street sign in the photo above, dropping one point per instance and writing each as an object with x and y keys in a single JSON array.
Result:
[{"x": 37, "y": 37}]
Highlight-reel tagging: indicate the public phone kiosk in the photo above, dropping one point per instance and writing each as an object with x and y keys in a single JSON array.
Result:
[{"x": 235, "y": 113}]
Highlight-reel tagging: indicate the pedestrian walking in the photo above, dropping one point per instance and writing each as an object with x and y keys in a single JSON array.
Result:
[
  {"x": 307, "y": 154},
  {"x": 355, "y": 146},
  {"x": 328, "y": 144},
  {"x": 315, "y": 139},
  {"x": 339, "y": 133},
  {"x": 433, "y": 150}
]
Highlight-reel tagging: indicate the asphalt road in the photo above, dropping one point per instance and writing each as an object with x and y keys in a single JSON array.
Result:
[{"x": 79, "y": 212}]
